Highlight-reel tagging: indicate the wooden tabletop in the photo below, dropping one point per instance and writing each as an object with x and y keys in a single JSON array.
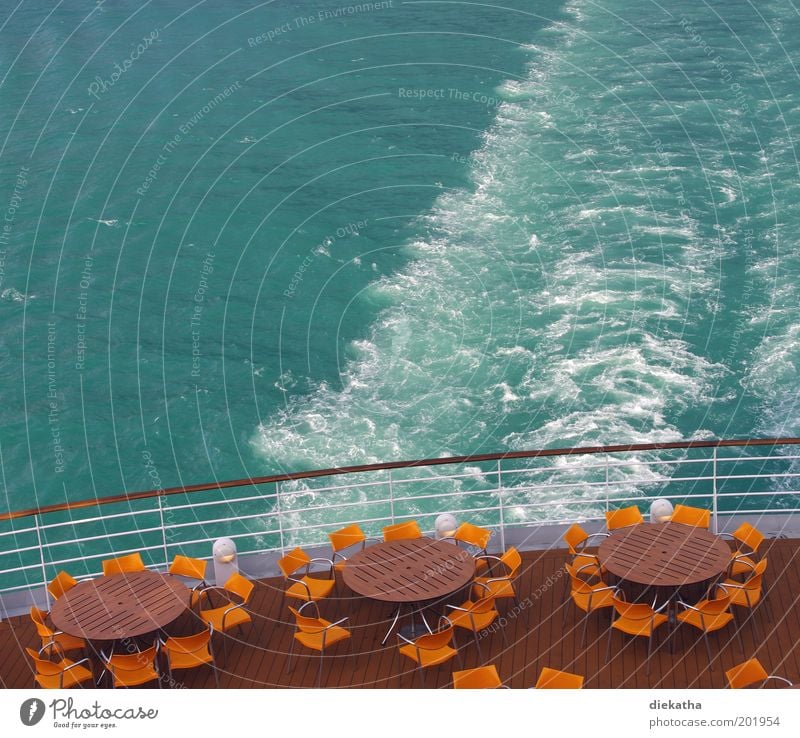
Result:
[
  {"x": 664, "y": 554},
  {"x": 120, "y": 606},
  {"x": 412, "y": 570}
]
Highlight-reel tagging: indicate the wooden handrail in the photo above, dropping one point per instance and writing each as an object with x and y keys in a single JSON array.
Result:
[{"x": 387, "y": 465}]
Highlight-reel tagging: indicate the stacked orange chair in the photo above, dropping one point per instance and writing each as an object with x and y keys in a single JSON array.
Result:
[{"x": 484, "y": 677}]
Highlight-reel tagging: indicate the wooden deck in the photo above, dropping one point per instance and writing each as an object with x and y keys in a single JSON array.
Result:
[{"x": 257, "y": 656}]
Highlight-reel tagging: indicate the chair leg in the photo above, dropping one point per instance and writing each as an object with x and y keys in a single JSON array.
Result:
[
  {"x": 291, "y": 656},
  {"x": 608, "y": 644},
  {"x": 478, "y": 646},
  {"x": 649, "y": 652},
  {"x": 708, "y": 651},
  {"x": 421, "y": 676},
  {"x": 319, "y": 673},
  {"x": 585, "y": 623}
]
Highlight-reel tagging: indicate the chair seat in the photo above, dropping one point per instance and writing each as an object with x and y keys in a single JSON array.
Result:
[
  {"x": 314, "y": 640},
  {"x": 496, "y": 588},
  {"x": 593, "y": 568},
  {"x": 709, "y": 623},
  {"x": 76, "y": 675},
  {"x": 319, "y": 588},
  {"x": 639, "y": 627},
  {"x": 234, "y": 618},
  {"x": 428, "y": 657},
  {"x": 480, "y": 619}
]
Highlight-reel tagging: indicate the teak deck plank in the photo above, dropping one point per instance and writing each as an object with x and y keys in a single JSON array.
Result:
[{"x": 257, "y": 655}]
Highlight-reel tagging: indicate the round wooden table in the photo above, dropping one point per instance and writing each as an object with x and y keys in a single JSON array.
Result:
[
  {"x": 664, "y": 555},
  {"x": 120, "y": 606},
  {"x": 409, "y": 572}
]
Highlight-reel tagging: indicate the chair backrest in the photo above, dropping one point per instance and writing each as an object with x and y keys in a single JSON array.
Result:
[
  {"x": 188, "y": 567},
  {"x": 754, "y": 580},
  {"x": 512, "y": 560},
  {"x": 714, "y": 607},
  {"x": 307, "y": 624},
  {"x": 133, "y": 661},
  {"x": 694, "y": 516},
  {"x": 473, "y": 535},
  {"x": 435, "y": 641},
  {"x": 632, "y": 610},
  {"x": 188, "y": 644},
  {"x": 555, "y": 679},
  {"x": 749, "y": 536},
  {"x": 399, "y": 531},
  {"x": 579, "y": 586},
  {"x": 45, "y": 667},
  {"x": 574, "y": 537},
  {"x": 481, "y": 606},
  {"x": 484, "y": 677},
  {"x": 293, "y": 561},
  {"x": 123, "y": 565},
  {"x": 62, "y": 582},
  {"x": 346, "y": 537},
  {"x": 38, "y": 616},
  {"x": 624, "y": 517},
  {"x": 744, "y": 674},
  {"x": 240, "y": 586}
]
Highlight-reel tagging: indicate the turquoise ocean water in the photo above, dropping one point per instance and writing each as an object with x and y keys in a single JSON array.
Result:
[{"x": 241, "y": 238}]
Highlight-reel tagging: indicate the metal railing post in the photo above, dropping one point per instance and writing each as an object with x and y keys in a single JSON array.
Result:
[
  {"x": 714, "y": 510},
  {"x": 606, "y": 486},
  {"x": 163, "y": 530},
  {"x": 500, "y": 502},
  {"x": 280, "y": 515},
  {"x": 391, "y": 496},
  {"x": 41, "y": 560}
]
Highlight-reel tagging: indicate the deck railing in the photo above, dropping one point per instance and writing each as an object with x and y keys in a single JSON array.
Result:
[{"x": 499, "y": 491}]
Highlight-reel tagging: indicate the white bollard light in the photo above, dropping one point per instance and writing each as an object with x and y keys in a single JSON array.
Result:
[
  {"x": 225, "y": 561},
  {"x": 661, "y": 511},
  {"x": 446, "y": 526}
]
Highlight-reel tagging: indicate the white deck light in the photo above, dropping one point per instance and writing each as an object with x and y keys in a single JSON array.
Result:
[
  {"x": 445, "y": 526},
  {"x": 661, "y": 511},
  {"x": 225, "y": 561}
]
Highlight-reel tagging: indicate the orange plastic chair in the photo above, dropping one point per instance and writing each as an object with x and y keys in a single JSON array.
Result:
[
  {"x": 59, "y": 675},
  {"x": 576, "y": 539},
  {"x": 123, "y": 565},
  {"x": 50, "y": 637},
  {"x": 343, "y": 539},
  {"x": 431, "y": 649},
  {"x": 697, "y": 517},
  {"x": 231, "y": 614},
  {"x": 555, "y": 679},
  {"x": 62, "y": 582},
  {"x": 484, "y": 677},
  {"x": 317, "y": 634},
  {"x": 748, "y": 539},
  {"x": 750, "y": 672},
  {"x": 499, "y": 586},
  {"x": 475, "y": 537},
  {"x": 131, "y": 669},
  {"x": 587, "y": 597},
  {"x": 748, "y": 594},
  {"x": 709, "y": 616},
  {"x": 476, "y": 616},
  {"x": 402, "y": 531},
  {"x": 185, "y": 566},
  {"x": 636, "y": 619},
  {"x": 307, "y": 588},
  {"x": 190, "y": 652},
  {"x": 623, "y": 518}
]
